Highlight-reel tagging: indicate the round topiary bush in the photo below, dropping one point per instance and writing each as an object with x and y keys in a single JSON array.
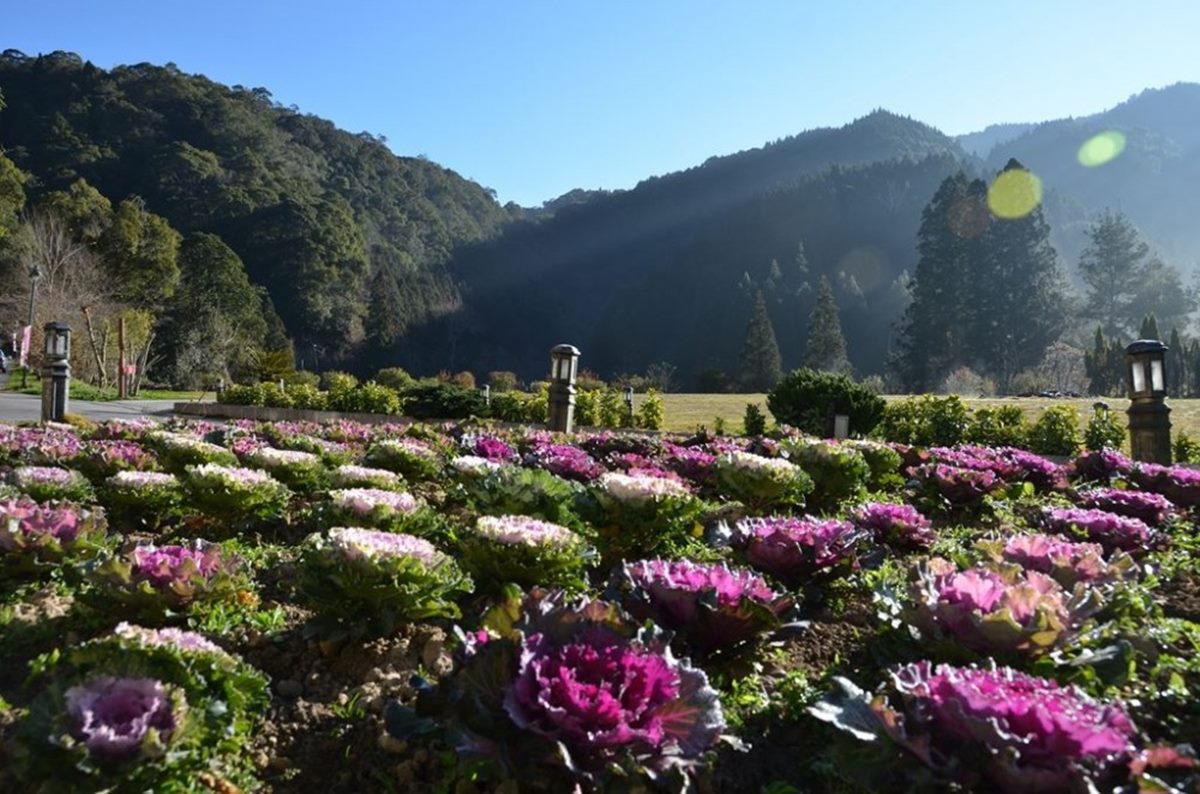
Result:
[{"x": 807, "y": 399}]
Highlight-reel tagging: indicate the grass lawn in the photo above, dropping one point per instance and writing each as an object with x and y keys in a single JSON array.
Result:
[
  {"x": 90, "y": 393},
  {"x": 684, "y": 412}
]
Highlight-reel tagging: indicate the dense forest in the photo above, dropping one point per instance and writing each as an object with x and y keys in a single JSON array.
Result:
[{"x": 238, "y": 237}]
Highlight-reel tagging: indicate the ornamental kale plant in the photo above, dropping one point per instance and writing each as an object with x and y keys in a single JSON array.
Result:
[
  {"x": 141, "y": 710},
  {"x": 838, "y": 472},
  {"x": 490, "y": 447},
  {"x": 982, "y": 730},
  {"x": 762, "y": 483},
  {"x": 711, "y": 607},
  {"x": 564, "y": 460},
  {"x": 232, "y": 493},
  {"x": 351, "y": 476},
  {"x": 371, "y": 507},
  {"x": 49, "y": 483},
  {"x": 884, "y": 462},
  {"x": 157, "y": 584},
  {"x": 955, "y": 485},
  {"x": 998, "y": 610},
  {"x": 898, "y": 526},
  {"x": 366, "y": 582},
  {"x": 639, "y": 515},
  {"x": 1154, "y": 509},
  {"x": 142, "y": 499},
  {"x": 574, "y": 696},
  {"x": 1108, "y": 529},
  {"x": 512, "y": 490},
  {"x": 177, "y": 451},
  {"x": 1065, "y": 561},
  {"x": 470, "y": 466},
  {"x": 102, "y": 459},
  {"x": 796, "y": 550},
  {"x": 1102, "y": 465},
  {"x": 692, "y": 463},
  {"x": 1178, "y": 483},
  {"x": 526, "y": 552},
  {"x": 36, "y": 538},
  {"x": 46, "y": 445},
  {"x": 414, "y": 459},
  {"x": 303, "y": 472}
]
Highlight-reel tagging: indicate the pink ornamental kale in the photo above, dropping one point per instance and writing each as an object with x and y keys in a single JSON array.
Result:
[
  {"x": 120, "y": 719},
  {"x": 957, "y": 485},
  {"x": 1065, "y": 561},
  {"x": 1178, "y": 483},
  {"x": 1008, "y": 463},
  {"x": 899, "y": 526},
  {"x": 793, "y": 550},
  {"x": 992, "y": 729},
  {"x": 493, "y": 449},
  {"x": 1107, "y": 529},
  {"x": 711, "y": 606},
  {"x": 565, "y": 461},
  {"x": 165, "y": 566},
  {"x": 1101, "y": 465},
  {"x": 1152, "y": 508},
  {"x": 1000, "y": 610}
]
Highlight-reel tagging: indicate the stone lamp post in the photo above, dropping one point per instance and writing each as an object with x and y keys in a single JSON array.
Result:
[
  {"x": 1149, "y": 416},
  {"x": 564, "y": 364},
  {"x": 56, "y": 372}
]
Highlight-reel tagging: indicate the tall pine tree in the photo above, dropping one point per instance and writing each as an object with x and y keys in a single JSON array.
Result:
[
  {"x": 760, "y": 362},
  {"x": 1018, "y": 294},
  {"x": 825, "y": 349},
  {"x": 933, "y": 331},
  {"x": 1113, "y": 266}
]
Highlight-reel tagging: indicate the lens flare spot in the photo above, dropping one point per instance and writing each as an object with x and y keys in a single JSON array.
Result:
[
  {"x": 1014, "y": 194},
  {"x": 867, "y": 266},
  {"x": 1101, "y": 149}
]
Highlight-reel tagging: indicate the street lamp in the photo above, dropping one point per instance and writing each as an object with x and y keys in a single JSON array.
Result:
[
  {"x": 629, "y": 403},
  {"x": 56, "y": 372},
  {"x": 35, "y": 275},
  {"x": 1149, "y": 416},
  {"x": 564, "y": 363}
]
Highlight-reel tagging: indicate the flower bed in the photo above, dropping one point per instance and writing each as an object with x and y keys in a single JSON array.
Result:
[{"x": 461, "y": 607}]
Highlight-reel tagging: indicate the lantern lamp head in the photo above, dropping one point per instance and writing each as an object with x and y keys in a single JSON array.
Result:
[
  {"x": 1145, "y": 360},
  {"x": 58, "y": 340},
  {"x": 564, "y": 359}
]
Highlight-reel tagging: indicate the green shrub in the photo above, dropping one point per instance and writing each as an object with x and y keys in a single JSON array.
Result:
[
  {"x": 611, "y": 410},
  {"x": 586, "y": 408},
  {"x": 537, "y": 410},
  {"x": 754, "y": 421},
  {"x": 925, "y": 421},
  {"x": 300, "y": 377},
  {"x": 1005, "y": 426},
  {"x": 334, "y": 381},
  {"x": 650, "y": 412},
  {"x": 240, "y": 395},
  {"x": 1187, "y": 449},
  {"x": 502, "y": 381},
  {"x": 1104, "y": 431},
  {"x": 443, "y": 401},
  {"x": 376, "y": 398},
  {"x": 272, "y": 396},
  {"x": 806, "y": 399},
  {"x": 1056, "y": 432},
  {"x": 465, "y": 379},
  {"x": 394, "y": 378},
  {"x": 308, "y": 397},
  {"x": 511, "y": 406}
]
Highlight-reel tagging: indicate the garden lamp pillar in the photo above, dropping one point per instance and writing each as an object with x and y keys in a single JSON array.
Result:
[
  {"x": 56, "y": 372},
  {"x": 1149, "y": 416},
  {"x": 629, "y": 404},
  {"x": 564, "y": 363},
  {"x": 487, "y": 395}
]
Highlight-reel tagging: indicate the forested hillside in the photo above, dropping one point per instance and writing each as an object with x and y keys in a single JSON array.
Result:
[{"x": 327, "y": 221}]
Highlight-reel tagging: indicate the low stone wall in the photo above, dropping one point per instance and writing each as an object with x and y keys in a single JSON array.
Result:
[{"x": 259, "y": 413}]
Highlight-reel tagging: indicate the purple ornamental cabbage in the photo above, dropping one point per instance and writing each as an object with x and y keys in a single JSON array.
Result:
[
  {"x": 1108, "y": 529},
  {"x": 711, "y": 606},
  {"x": 1178, "y": 483},
  {"x": 1008, "y": 463},
  {"x": 1065, "y": 561},
  {"x": 120, "y": 719},
  {"x": 793, "y": 550},
  {"x": 900, "y": 526},
  {"x": 1000, "y": 610},
  {"x": 164, "y": 567},
  {"x": 957, "y": 485},
  {"x": 1101, "y": 465},
  {"x": 1152, "y": 508},
  {"x": 493, "y": 449},
  {"x": 991, "y": 729},
  {"x": 566, "y": 461}
]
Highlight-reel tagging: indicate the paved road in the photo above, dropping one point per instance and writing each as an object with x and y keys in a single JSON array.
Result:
[{"x": 26, "y": 407}]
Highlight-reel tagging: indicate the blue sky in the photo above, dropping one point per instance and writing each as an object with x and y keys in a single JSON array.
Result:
[{"x": 535, "y": 97}]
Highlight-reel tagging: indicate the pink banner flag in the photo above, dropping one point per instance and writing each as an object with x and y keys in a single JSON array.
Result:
[{"x": 26, "y": 333}]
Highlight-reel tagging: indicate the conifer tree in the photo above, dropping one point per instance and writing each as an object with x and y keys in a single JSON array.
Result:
[
  {"x": 1112, "y": 266},
  {"x": 826, "y": 347},
  {"x": 1149, "y": 329},
  {"x": 1018, "y": 293},
  {"x": 761, "y": 367},
  {"x": 1176, "y": 365},
  {"x": 1105, "y": 365}
]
